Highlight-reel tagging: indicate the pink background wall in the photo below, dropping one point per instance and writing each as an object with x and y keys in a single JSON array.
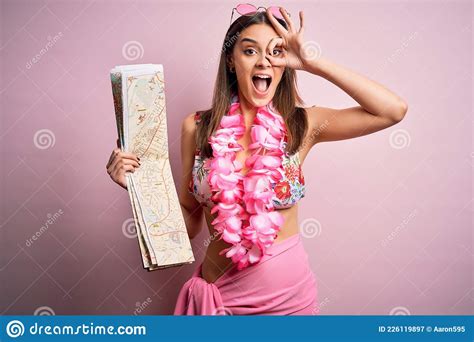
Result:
[{"x": 387, "y": 217}]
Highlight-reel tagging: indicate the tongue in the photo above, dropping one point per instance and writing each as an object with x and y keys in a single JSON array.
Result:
[{"x": 260, "y": 84}]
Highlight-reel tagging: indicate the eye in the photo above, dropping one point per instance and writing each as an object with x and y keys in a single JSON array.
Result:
[
  {"x": 276, "y": 52},
  {"x": 249, "y": 51}
]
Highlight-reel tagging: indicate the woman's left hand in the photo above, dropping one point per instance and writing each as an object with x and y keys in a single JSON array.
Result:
[{"x": 296, "y": 53}]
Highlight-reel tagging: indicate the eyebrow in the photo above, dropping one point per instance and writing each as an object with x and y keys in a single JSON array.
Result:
[{"x": 249, "y": 40}]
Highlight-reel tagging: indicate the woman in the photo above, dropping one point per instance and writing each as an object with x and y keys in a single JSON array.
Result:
[{"x": 242, "y": 166}]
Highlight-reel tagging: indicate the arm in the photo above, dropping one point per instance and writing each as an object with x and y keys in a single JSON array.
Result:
[
  {"x": 191, "y": 208},
  {"x": 378, "y": 108}
]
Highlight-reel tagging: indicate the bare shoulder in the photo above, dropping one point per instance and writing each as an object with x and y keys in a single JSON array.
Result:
[
  {"x": 188, "y": 134},
  {"x": 188, "y": 146},
  {"x": 188, "y": 126}
]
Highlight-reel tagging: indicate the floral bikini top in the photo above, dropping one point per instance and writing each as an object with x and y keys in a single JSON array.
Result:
[{"x": 287, "y": 191}]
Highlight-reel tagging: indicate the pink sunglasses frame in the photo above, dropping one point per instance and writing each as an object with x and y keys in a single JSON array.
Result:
[{"x": 276, "y": 13}]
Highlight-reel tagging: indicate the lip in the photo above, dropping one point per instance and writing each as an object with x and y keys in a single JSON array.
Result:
[
  {"x": 261, "y": 73},
  {"x": 259, "y": 93}
]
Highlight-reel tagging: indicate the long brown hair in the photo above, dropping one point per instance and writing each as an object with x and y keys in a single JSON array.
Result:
[{"x": 285, "y": 99}]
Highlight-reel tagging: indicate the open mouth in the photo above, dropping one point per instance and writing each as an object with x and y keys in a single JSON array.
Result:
[{"x": 261, "y": 82}]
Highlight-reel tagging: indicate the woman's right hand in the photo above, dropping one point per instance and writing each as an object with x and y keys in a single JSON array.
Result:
[{"x": 119, "y": 163}]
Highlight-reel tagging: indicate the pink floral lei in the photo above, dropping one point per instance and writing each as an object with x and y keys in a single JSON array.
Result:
[{"x": 246, "y": 215}]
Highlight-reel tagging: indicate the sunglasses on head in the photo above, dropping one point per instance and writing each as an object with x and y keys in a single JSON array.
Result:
[{"x": 249, "y": 9}]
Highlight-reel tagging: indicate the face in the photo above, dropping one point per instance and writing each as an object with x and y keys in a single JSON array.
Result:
[{"x": 257, "y": 78}]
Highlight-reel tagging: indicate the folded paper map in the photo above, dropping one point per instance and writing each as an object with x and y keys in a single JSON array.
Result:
[{"x": 140, "y": 112}]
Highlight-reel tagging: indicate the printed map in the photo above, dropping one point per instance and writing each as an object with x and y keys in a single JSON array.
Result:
[{"x": 140, "y": 109}]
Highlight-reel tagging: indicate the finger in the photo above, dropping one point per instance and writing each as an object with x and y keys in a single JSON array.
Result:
[
  {"x": 131, "y": 162},
  {"x": 128, "y": 155},
  {"x": 277, "y": 61},
  {"x": 129, "y": 168},
  {"x": 118, "y": 162},
  {"x": 123, "y": 166},
  {"x": 287, "y": 19},
  {"x": 117, "y": 154},
  {"x": 275, "y": 41},
  {"x": 112, "y": 165},
  {"x": 276, "y": 25},
  {"x": 112, "y": 156},
  {"x": 301, "y": 23}
]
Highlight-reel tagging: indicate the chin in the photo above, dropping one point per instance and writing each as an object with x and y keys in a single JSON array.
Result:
[
  {"x": 260, "y": 102},
  {"x": 257, "y": 99}
]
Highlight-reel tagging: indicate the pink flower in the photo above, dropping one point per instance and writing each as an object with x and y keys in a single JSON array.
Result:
[
  {"x": 236, "y": 252},
  {"x": 245, "y": 214},
  {"x": 263, "y": 227},
  {"x": 226, "y": 210},
  {"x": 223, "y": 175},
  {"x": 263, "y": 162},
  {"x": 262, "y": 138},
  {"x": 232, "y": 121},
  {"x": 254, "y": 254},
  {"x": 273, "y": 123}
]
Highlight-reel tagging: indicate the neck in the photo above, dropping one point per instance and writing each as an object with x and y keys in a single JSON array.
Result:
[{"x": 247, "y": 109}]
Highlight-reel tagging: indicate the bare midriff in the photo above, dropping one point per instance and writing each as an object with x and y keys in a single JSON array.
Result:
[{"x": 215, "y": 265}]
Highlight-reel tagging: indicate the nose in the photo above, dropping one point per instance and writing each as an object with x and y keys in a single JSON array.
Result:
[{"x": 263, "y": 61}]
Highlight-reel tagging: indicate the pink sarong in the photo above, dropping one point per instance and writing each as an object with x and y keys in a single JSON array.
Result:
[{"x": 282, "y": 283}]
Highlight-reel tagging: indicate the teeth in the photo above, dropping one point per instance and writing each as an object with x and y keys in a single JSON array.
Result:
[{"x": 262, "y": 76}]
